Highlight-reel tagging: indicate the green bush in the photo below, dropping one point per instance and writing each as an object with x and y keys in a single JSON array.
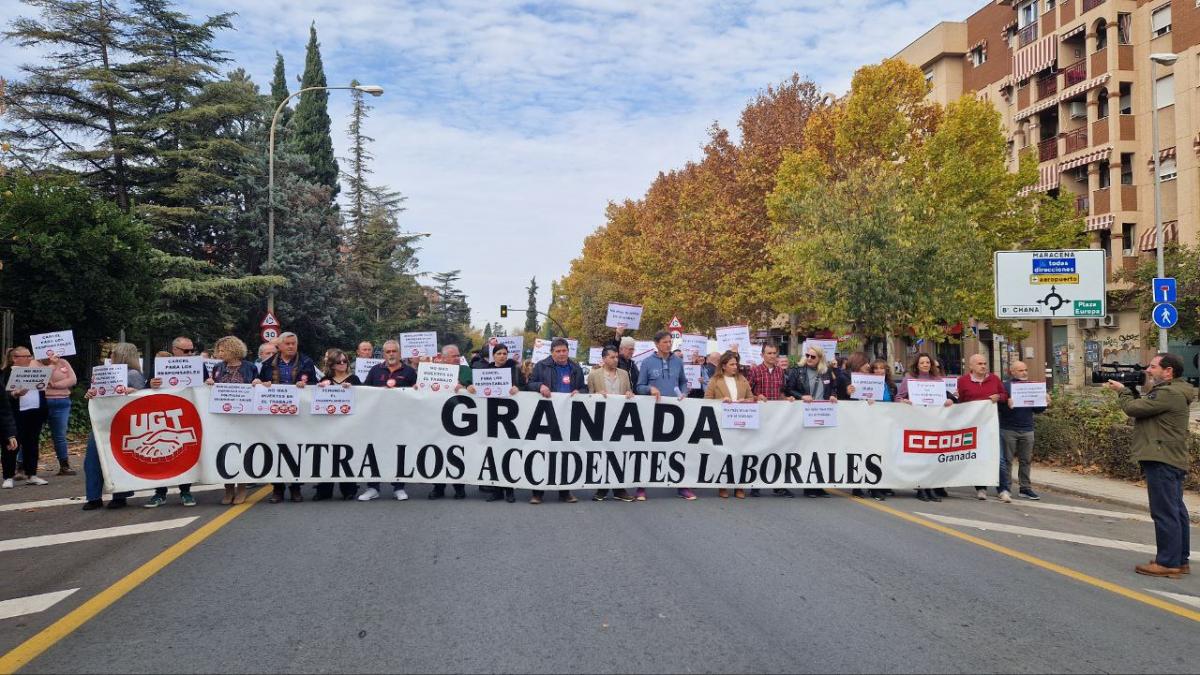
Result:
[{"x": 1089, "y": 430}]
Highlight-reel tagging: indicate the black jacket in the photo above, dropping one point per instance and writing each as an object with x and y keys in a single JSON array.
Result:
[
  {"x": 544, "y": 372},
  {"x": 794, "y": 384},
  {"x": 303, "y": 368},
  {"x": 8, "y": 425},
  {"x": 627, "y": 365}
]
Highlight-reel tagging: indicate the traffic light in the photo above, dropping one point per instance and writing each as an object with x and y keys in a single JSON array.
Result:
[{"x": 503, "y": 311}]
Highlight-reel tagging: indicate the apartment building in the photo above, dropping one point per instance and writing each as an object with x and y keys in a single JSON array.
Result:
[{"x": 1074, "y": 83}]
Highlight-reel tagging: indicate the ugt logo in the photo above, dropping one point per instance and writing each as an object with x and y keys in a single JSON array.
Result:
[{"x": 156, "y": 436}]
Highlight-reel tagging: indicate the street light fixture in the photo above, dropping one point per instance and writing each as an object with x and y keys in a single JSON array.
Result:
[
  {"x": 372, "y": 89},
  {"x": 1164, "y": 59}
]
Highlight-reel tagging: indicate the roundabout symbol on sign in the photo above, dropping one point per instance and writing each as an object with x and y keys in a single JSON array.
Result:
[{"x": 1053, "y": 301}]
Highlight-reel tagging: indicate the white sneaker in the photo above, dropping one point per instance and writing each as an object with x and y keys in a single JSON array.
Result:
[
  {"x": 8, "y": 483},
  {"x": 981, "y": 495},
  {"x": 1006, "y": 497},
  {"x": 401, "y": 495},
  {"x": 368, "y": 495},
  {"x": 36, "y": 480}
]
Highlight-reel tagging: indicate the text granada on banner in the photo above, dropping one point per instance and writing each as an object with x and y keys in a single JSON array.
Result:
[{"x": 156, "y": 438}]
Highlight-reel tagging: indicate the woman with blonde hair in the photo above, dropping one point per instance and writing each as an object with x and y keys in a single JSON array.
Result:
[
  {"x": 812, "y": 380},
  {"x": 729, "y": 385},
  {"x": 122, "y": 353},
  {"x": 233, "y": 369}
]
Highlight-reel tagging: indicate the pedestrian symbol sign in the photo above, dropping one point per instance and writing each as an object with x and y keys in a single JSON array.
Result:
[
  {"x": 1164, "y": 289},
  {"x": 1165, "y": 315}
]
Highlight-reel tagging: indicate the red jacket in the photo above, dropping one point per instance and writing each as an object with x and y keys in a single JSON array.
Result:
[{"x": 969, "y": 390}]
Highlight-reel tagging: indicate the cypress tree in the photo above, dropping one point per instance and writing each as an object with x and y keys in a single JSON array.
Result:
[{"x": 309, "y": 130}]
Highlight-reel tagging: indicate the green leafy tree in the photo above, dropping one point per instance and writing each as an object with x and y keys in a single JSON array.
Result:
[
  {"x": 451, "y": 314},
  {"x": 309, "y": 130},
  {"x": 531, "y": 314},
  {"x": 1180, "y": 261}
]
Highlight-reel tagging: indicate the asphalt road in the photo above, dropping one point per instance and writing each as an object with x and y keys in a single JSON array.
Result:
[{"x": 760, "y": 585}]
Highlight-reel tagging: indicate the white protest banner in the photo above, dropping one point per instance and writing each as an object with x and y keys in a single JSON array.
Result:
[
  {"x": 740, "y": 415},
  {"x": 277, "y": 399},
  {"x": 418, "y": 344},
  {"x": 179, "y": 371},
  {"x": 820, "y": 414},
  {"x": 515, "y": 344},
  {"x": 642, "y": 349},
  {"x": 438, "y": 377},
  {"x": 110, "y": 380},
  {"x": 491, "y": 382},
  {"x": 153, "y": 439},
  {"x": 951, "y": 385},
  {"x": 927, "y": 392},
  {"x": 828, "y": 347},
  {"x": 232, "y": 399},
  {"x": 621, "y": 315},
  {"x": 363, "y": 365},
  {"x": 29, "y": 378},
  {"x": 693, "y": 375},
  {"x": 572, "y": 347},
  {"x": 333, "y": 399},
  {"x": 867, "y": 387},
  {"x": 1029, "y": 394},
  {"x": 693, "y": 346},
  {"x": 60, "y": 343},
  {"x": 594, "y": 355},
  {"x": 729, "y": 337}
]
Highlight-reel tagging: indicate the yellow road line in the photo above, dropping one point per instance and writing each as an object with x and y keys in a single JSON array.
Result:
[
  {"x": 1032, "y": 560},
  {"x": 34, "y": 646}
]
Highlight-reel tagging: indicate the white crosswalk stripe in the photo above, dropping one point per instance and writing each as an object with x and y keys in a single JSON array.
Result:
[
  {"x": 32, "y": 604},
  {"x": 1042, "y": 534},
  {"x": 78, "y": 501},
  {"x": 1178, "y": 597},
  {"x": 1121, "y": 515},
  {"x": 89, "y": 535}
]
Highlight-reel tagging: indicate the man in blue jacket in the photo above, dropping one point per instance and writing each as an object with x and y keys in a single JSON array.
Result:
[
  {"x": 662, "y": 373},
  {"x": 557, "y": 373},
  {"x": 1016, "y": 430}
]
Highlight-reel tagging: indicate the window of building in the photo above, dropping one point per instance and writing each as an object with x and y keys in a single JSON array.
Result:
[
  {"x": 1027, "y": 13},
  {"x": 1049, "y": 5},
  {"x": 1106, "y": 243},
  {"x": 929, "y": 76},
  {"x": 1126, "y": 168},
  {"x": 1105, "y": 174},
  {"x": 1166, "y": 169},
  {"x": 1126, "y": 98},
  {"x": 1127, "y": 241},
  {"x": 1102, "y": 104},
  {"x": 1160, "y": 21},
  {"x": 1101, "y": 35},
  {"x": 1125, "y": 28},
  {"x": 1164, "y": 91},
  {"x": 978, "y": 56}
]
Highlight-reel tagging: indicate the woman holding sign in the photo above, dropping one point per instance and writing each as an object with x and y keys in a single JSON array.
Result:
[
  {"x": 924, "y": 368},
  {"x": 122, "y": 353},
  {"x": 728, "y": 385},
  {"x": 337, "y": 373},
  {"x": 500, "y": 360},
  {"x": 233, "y": 369},
  {"x": 860, "y": 363},
  {"x": 28, "y": 408},
  {"x": 58, "y": 408}
]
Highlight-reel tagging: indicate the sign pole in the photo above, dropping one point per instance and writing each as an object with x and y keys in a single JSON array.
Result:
[{"x": 1048, "y": 345}]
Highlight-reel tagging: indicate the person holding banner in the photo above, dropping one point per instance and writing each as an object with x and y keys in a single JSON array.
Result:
[
  {"x": 450, "y": 355},
  {"x": 1016, "y": 432},
  {"x": 730, "y": 386},
  {"x": 337, "y": 374},
  {"x": 924, "y": 368},
  {"x": 607, "y": 380},
  {"x": 58, "y": 408},
  {"x": 557, "y": 373},
  {"x": 393, "y": 373},
  {"x": 812, "y": 380},
  {"x": 21, "y": 423},
  {"x": 980, "y": 384},
  {"x": 860, "y": 363},
  {"x": 662, "y": 373},
  {"x": 180, "y": 346},
  {"x": 768, "y": 381},
  {"x": 287, "y": 366},
  {"x": 233, "y": 369},
  {"x": 881, "y": 367},
  {"x": 500, "y": 360},
  {"x": 122, "y": 353}
]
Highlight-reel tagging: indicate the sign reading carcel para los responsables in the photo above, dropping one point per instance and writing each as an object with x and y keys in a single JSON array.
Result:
[{"x": 1050, "y": 284}]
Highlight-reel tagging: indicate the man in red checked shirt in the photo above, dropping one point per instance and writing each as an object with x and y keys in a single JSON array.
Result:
[
  {"x": 978, "y": 384},
  {"x": 766, "y": 381}
]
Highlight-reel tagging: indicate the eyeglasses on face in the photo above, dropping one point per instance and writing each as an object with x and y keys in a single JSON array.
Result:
[
  {"x": 189, "y": 350},
  {"x": 341, "y": 362},
  {"x": 810, "y": 356}
]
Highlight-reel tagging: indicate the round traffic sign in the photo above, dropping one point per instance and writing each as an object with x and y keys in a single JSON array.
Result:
[
  {"x": 1165, "y": 315},
  {"x": 269, "y": 334}
]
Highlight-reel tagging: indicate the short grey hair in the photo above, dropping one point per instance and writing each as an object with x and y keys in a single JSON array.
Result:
[{"x": 284, "y": 336}]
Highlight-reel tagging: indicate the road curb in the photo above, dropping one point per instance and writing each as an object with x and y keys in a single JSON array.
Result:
[{"x": 1116, "y": 501}]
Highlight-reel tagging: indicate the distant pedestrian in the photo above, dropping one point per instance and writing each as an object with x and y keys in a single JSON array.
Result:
[
  {"x": 1016, "y": 432},
  {"x": 1160, "y": 447}
]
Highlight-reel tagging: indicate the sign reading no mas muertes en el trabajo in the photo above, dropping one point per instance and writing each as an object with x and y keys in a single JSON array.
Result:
[{"x": 1050, "y": 284}]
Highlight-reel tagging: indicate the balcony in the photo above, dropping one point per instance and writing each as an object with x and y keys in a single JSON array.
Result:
[
  {"x": 1027, "y": 34},
  {"x": 1047, "y": 85},
  {"x": 1075, "y": 73},
  {"x": 1089, "y": 5},
  {"x": 1075, "y": 140},
  {"x": 1048, "y": 149}
]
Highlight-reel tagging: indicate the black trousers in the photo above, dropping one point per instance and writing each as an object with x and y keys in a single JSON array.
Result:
[
  {"x": 459, "y": 489},
  {"x": 29, "y": 430},
  {"x": 183, "y": 490}
]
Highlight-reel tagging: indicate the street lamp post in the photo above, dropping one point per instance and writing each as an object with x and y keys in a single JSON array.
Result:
[
  {"x": 371, "y": 89},
  {"x": 1165, "y": 59}
]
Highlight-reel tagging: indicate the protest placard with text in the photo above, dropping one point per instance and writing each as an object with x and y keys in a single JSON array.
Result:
[
  {"x": 418, "y": 344},
  {"x": 333, "y": 399},
  {"x": 492, "y": 382},
  {"x": 60, "y": 343},
  {"x": 625, "y": 316},
  {"x": 29, "y": 378},
  {"x": 179, "y": 371},
  {"x": 1029, "y": 394},
  {"x": 110, "y": 380},
  {"x": 438, "y": 377},
  {"x": 867, "y": 387}
]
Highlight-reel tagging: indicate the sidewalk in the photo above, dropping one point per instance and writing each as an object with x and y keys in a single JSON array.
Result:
[{"x": 1100, "y": 488}]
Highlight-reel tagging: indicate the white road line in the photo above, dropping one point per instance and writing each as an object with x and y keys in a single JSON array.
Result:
[
  {"x": 1089, "y": 512},
  {"x": 1043, "y": 534},
  {"x": 78, "y": 501},
  {"x": 1178, "y": 597},
  {"x": 32, "y": 604},
  {"x": 88, "y": 535}
]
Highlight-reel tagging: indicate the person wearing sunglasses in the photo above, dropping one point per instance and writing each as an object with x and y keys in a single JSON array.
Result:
[
  {"x": 180, "y": 346},
  {"x": 393, "y": 373},
  {"x": 813, "y": 380},
  {"x": 337, "y": 373}
]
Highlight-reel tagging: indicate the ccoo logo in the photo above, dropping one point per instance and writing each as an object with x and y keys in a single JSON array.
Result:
[
  {"x": 156, "y": 437},
  {"x": 936, "y": 442}
]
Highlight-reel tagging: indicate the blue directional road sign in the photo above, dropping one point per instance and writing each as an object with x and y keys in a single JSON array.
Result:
[
  {"x": 1164, "y": 289},
  {"x": 1165, "y": 315}
]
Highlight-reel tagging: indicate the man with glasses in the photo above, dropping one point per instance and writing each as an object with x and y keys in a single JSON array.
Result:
[
  {"x": 180, "y": 346},
  {"x": 766, "y": 382},
  {"x": 393, "y": 373}
]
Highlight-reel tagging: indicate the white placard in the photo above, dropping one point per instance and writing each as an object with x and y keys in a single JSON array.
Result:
[
  {"x": 60, "y": 343},
  {"x": 515, "y": 344},
  {"x": 739, "y": 336},
  {"x": 110, "y": 380},
  {"x": 927, "y": 392},
  {"x": 492, "y": 382},
  {"x": 693, "y": 375},
  {"x": 1029, "y": 394},
  {"x": 819, "y": 414},
  {"x": 232, "y": 399},
  {"x": 1050, "y": 284},
  {"x": 621, "y": 315},
  {"x": 541, "y": 348},
  {"x": 595, "y": 355},
  {"x": 867, "y": 387},
  {"x": 829, "y": 347},
  {"x": 32, "y": 378},
  {"x": 277, "y": 399},
  {"x": 441, "y": 377},
  {"x": 643, "y": 349},
  {"x": 418, "y": 344},
  {"x": 693, "y": 346},
  {"x": 362, "y": 366},
  {"x": 739, "y": 415},
  {"x": 209, "y": 364},
  {"x": 951, "y": 385},
  {"x": 333, "y": 399},
  {"x": 179, "y": 371}
]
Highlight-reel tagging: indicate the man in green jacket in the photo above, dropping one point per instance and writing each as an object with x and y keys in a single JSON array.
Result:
[{"x": 1160, "y": 447}]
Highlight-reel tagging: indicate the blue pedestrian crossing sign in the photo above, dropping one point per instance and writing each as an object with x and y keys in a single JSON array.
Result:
[
  {"x": 1165, "y": 315},
  {"x": 1164, "y": 289}
]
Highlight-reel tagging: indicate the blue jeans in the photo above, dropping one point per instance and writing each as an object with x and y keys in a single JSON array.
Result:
[
  {"x": 93, "y": 475},
  {"x": 1164, "y": 483},
  {"x": 60, "y": 414}
]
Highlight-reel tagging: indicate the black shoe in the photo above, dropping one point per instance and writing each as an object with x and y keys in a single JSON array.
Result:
[
  {"x": 437, "y": 494},
  {"x": 813, "y": 493},
  {"x": 510, "y": 495},
  {"x": 598, "y": 497},
  {"x": 921, "y": 496},
  {"x": 488, "y": 489},
  {"x": 460, "y": 493},
  {"x": 932, "y": 496},
  {"x": 93, "y": 505},
  {"x": 754, "y": 492},
  {"x": 320, "y": 497},
  {"x": 877, "y": 495},
  {"x": 117, "y": 503},
  {"x": 782, "y": 492},
  {"x": 941, "y": 492},
  {"x": 857, "y": 492},
  {"x": 495, "y": 496}
]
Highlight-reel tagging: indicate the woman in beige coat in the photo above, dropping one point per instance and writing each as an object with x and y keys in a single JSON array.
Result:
[
  {"x": 609, "y": 380},
  {"x": 728, "y": 385}
]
